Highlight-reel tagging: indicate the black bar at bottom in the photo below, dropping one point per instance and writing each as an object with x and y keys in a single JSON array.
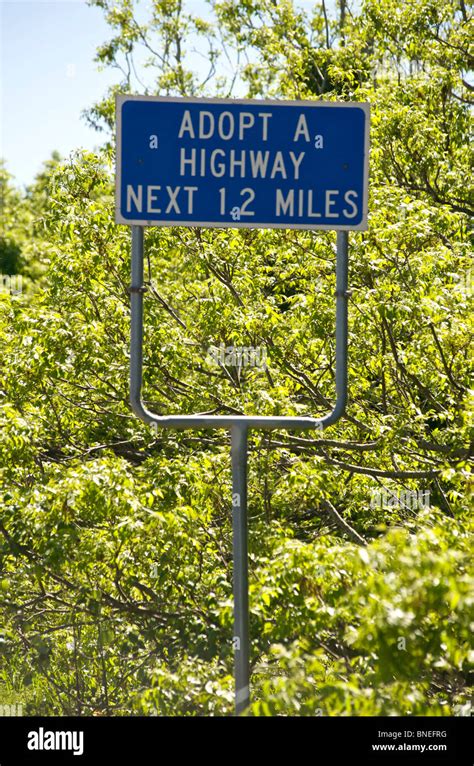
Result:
[{"x": 142, "y": 741}]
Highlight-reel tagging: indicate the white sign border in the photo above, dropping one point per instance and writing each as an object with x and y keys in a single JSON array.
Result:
[{"x": 121, "y": 99}]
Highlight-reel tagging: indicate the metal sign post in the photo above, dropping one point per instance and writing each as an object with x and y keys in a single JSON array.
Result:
[
  {"x": 322, "y": 186},
  {"x": 239, "y": 426},
  {"x": 241, "y": 640}
]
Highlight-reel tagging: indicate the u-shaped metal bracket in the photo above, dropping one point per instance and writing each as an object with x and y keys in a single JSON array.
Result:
[{"x": 228, "y": 421}]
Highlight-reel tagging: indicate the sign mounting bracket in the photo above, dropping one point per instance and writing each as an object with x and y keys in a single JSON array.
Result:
[{"x": 239, "y": 426}]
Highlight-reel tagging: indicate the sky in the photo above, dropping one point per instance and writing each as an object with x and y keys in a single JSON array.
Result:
[{"x": 47, "y": 78}]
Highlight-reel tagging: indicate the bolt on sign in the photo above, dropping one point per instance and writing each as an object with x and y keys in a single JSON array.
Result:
[{"x": 228, "y": 163}]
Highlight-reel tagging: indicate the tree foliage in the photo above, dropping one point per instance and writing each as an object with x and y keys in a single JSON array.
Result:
[{"x": 115, "y": 540}]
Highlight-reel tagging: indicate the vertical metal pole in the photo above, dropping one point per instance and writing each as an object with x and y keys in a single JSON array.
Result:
[
  {"x": 241, "y": 581},
  {"x": 136, "y": 328},
  {"x": 342, "y": 297}
]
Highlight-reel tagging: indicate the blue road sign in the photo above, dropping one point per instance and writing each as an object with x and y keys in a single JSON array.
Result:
[{"x": 242, "y": 163}]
